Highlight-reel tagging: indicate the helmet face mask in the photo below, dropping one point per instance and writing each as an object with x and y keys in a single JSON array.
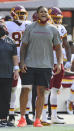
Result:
[
  {"x": 19, "y": 13},
  {"x": 57, "y": 20},
  {"x": 56, "y": 15}
]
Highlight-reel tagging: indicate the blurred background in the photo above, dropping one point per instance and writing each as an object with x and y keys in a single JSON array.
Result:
[{"x": 67, "y": 7}]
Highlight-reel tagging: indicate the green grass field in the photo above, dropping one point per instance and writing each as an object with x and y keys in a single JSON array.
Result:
[{"x": 45, "y": 128}]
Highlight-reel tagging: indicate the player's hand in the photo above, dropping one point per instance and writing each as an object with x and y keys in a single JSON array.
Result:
[
  {"x": 16, "y": 75},
  {"x": 57, "y": 68}
]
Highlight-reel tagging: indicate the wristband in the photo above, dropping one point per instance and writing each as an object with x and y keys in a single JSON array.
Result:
[{"x": 16, "y": 67}]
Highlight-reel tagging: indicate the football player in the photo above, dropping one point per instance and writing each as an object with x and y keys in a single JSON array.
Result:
[
  {"x": 16, "y": 27},
  {"x": 68, "y": 82},
  {"x": 57, "y": 16}
]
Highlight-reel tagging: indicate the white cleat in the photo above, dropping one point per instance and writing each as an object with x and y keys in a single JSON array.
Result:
[{"x": 56, "y": 120}]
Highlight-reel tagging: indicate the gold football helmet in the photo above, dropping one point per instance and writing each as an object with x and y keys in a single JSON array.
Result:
[{"x": 19, "y": 13}]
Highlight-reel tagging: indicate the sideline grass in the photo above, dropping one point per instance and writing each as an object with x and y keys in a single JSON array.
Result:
[{"x": 47, "y": 128}]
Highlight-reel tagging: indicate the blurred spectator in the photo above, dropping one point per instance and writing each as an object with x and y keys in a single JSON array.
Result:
[{"x": 9, "y": 60}]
